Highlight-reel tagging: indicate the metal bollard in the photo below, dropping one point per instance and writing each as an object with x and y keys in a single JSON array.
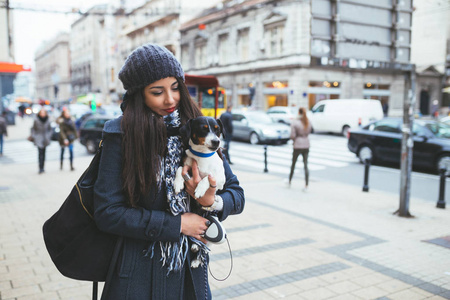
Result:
[
  {"x": 366, "y": 175},
  {"x": 265, "y": 159},
  {"x": 441, "y": 201}
]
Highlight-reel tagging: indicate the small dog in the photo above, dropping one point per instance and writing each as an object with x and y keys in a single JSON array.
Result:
[{"x": 202, "y": 134}]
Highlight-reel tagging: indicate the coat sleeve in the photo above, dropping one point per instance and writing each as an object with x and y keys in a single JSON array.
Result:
[
  {"x": 232, "y": 194},
  {"x": 111, "y": 211}
]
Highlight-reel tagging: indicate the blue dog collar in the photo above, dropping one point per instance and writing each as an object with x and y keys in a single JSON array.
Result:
[{"x": 200, "y": 154}]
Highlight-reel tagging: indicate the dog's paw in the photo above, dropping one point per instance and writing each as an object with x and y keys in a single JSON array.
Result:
[
  {"x": 195, "y": 263},
  {"x": 202, "y": 187}
]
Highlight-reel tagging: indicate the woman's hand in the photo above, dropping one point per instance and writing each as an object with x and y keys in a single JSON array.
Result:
[
  {"x": 194, "y": 225},
  {"x": 191, "y": 184}
]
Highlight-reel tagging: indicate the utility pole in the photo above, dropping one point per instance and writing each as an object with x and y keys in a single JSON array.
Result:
[
  {"x": 8, "y": 31},
  {"x": 407, "y": 142}
]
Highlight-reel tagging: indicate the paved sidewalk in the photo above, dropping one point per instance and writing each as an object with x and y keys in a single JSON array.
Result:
[{"x": 334, "y": 242}]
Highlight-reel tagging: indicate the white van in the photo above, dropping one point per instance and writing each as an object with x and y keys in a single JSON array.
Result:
[{"x": 339, "y": 115}]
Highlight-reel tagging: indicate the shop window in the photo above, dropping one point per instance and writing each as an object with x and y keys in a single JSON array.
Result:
[{"x": 323, "y": 90}]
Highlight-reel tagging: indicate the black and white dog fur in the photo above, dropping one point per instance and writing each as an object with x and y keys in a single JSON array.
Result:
[{"x": 203, "y": 136}]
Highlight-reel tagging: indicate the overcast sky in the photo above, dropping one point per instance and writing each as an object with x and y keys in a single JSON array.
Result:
[{"x": 31, "y": 28}]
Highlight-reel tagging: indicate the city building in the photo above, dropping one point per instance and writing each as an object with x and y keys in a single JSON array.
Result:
[
  {"x": 430, "y": 52},
  {"x": 52, "y": 69},
  {"x": 157, "y": 21},
  {"x": 87, "y": 53},
  {"x": 296, "y": 53}
]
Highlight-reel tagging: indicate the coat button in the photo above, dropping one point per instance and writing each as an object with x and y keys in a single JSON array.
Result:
[{"x": 152, "y": 233}]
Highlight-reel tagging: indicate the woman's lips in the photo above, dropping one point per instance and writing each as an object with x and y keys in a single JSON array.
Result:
[{"x": 170, "y": 110}]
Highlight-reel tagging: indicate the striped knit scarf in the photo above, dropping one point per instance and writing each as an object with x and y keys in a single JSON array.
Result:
[{"x": 173, "y": 254}]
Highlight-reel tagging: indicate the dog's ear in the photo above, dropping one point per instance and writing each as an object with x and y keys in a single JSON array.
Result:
[
  {"x": 185, "y": 133},
  {"x": 220, "y": 125}
]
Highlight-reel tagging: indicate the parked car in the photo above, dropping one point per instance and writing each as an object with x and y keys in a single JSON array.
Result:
[
  {"x": 382, "y": 140},
  {"x": 340, "y": 115},
  {"x": 257, "y": 127},
  {"x": 283, "y": 114},
  {"x": 91, "y": 131},
  {"x": 445, "y": 120}
]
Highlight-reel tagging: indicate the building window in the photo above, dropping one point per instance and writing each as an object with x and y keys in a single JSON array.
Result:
[
  {"x": 243, "y": 44},
  {"x": 276, "y": 93},
  {"x": 274, "y": 39},
  {"x": 223, "y": 49},
  {"x": 185, "y": 56},
  {"x": 200, "y": 55}
]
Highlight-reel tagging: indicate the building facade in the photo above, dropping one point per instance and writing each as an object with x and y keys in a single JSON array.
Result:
[
  {"x": 52, "y": 63},
  {"x": 430, "y": 52},
  {"x": 86, "y": 37},
  {"x": 296, "y": 53}
]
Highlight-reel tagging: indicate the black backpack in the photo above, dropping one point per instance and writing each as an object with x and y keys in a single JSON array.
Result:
[{"x": 76, "y": 246}]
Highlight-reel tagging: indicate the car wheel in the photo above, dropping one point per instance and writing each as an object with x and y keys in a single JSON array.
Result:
[
  {"x": 345, "y": 130},
  {"x": 91, "y": 146},
  {"x": 254, "y": 138},
  {"x": 443, "y": 162},
  {"x": 366, "y": 153}
]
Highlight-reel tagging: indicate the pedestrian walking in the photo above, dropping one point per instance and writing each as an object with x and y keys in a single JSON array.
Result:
[
  {"x": 3, "y": 130},
  {"x": 300, "y": 130},
  {"x": 134, "y": 196},
  {"x": 227, "y": 121},
  {"x": 67, "y": 135},
  {"x": 41, "y": 133}
]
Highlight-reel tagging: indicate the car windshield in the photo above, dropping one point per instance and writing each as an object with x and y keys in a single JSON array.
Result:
[
  {"x": 260, "y": 118},
  {"x": 440, "y": 130}
]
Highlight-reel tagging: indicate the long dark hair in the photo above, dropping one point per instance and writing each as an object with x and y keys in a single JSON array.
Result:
[
  {"x": 144, "y": 141},
  {"x": 303, "y": 117}
]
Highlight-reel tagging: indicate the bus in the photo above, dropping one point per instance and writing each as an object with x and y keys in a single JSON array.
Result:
[{"x": 206, "y": 92}]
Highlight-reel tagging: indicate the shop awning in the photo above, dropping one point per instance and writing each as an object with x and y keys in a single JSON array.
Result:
[{"x": 6, "y": 67}]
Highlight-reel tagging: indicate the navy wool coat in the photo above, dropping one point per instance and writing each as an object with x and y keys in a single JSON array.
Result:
[{"x": 136, "y": 276}]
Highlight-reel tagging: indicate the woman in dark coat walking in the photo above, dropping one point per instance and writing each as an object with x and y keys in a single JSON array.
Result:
[
  {"x": 162, "y": 232},
  {"x": 41, "y": 134},
  {"x": 67, "y": 135}
]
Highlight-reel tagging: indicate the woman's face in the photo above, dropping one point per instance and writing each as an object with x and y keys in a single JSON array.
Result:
[
  {"x": 66, "y": 114},
  {"x": 162, "y": 96},
  {"x": 43, "y": 113}
]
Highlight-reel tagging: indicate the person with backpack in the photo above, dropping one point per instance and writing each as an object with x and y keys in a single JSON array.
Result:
[{"x": 134, "y": 196}]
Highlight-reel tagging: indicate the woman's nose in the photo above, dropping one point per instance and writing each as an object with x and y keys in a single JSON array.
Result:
[{"x": 169, "y": 98}]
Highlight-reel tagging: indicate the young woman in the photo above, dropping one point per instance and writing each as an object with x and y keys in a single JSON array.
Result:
[
  {"x": 162, "y": 232},
  {"x": 67, "y": 135},
  {"x": 300, "y": 130},
  {"x": 41, "y": 134}
]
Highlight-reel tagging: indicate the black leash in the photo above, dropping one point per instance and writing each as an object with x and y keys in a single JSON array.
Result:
[{"x": 231, "y": 266}]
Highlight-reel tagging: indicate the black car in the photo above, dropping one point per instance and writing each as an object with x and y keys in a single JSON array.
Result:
[
  {"x": 91, "y": 131},
  {"x": 382, "y": 141}
]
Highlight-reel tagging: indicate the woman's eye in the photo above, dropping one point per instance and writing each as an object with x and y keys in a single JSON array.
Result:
[
  {"x": 175, "y": 88},
  {"x": 156, "y": 93}
]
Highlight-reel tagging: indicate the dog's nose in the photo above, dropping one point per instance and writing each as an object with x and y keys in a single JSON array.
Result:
[{"x": 215, "y": 143}]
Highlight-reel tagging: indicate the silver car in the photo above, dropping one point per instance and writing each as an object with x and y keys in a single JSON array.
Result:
[{"x": 257, "y": 127}]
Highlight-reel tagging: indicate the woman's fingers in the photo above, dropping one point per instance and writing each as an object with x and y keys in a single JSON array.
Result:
[{"x": 195, "y": 172}]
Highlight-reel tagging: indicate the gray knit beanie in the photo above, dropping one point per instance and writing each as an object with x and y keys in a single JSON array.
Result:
[{"x": 147, "y": 64}]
